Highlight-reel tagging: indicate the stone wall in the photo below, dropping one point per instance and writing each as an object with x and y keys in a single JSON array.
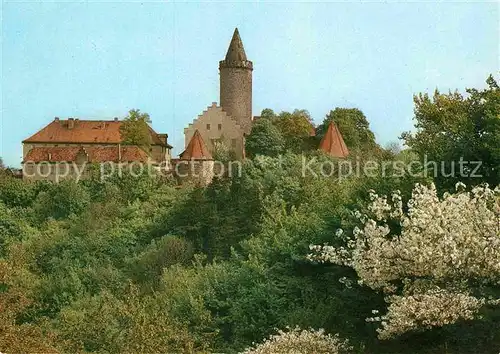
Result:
[
  {"x": 194, "y": 171},
  {"x": 236, "y": 94},
  {"x": 215, "y": 125}
]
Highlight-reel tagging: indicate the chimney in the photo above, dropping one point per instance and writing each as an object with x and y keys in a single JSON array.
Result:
[
  {"x": 163, "y": 138},
  {"x": 71, "y": 123},
  {"x": 56, "y": 119},
  {"x": 116, "y": 119}
]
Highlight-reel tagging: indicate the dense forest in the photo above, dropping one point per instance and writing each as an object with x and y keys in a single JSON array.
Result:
[{"x": 272, "y": 260}]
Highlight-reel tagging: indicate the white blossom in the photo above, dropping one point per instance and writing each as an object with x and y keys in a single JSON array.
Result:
[
  {"x": 422, "y": 268},
  {"x": 297, "y": 341},
  {"x": 433, "y": 308}
]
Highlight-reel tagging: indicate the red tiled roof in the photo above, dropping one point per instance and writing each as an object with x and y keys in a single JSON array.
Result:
[
  {"x": 333, "y": 143},
  {"x": 112, "y": 153},
  {"x": 91, "y": 154},
  {"x": 196, "y": 149},
  {"x": 84, "y": 132}
]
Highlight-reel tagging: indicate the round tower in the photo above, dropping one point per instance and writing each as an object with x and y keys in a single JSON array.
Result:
[{"x": 236, "y": 83}]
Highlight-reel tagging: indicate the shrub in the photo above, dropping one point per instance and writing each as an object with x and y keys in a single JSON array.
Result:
[
  {"x": 297, "y": 341},
  {"x": 438, "y": 263}
]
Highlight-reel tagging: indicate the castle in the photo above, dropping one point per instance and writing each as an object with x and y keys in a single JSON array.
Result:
[
  {"x": 78, "y": 142},
  {"x": 228, "y": 123}
]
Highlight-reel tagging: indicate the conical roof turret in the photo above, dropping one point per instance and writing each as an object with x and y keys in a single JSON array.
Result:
[
  {"x": 236, "y": 52},
  {"x": 332, "y": 143},
  {"x": 196, "y": 149},
  {"x": 236, "y": 56}
]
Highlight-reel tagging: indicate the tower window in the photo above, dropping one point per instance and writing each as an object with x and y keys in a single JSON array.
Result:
[
  {"x": 208, "y": 126},
  {"x": 233, "y": 143},
  {"x": 219, "y": 126}
]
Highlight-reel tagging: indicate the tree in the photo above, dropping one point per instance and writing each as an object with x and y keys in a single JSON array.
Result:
[
  {"x": 135, "y": 130},
  {"x": 393, "y": 148},
  {"x": 438, "y": 263},
  {"x": 301, "y": 341},
  {"x": 162, "y": 253},
  {"x": 123, "y": 324},
  {"x": 354, "y": 128},
  {"x": 450, "y": 127},
  {"x": 296, "y": 128},
  {"x": 19, "y": 337},
  {"x": 222, "y": 152},
  {"x": 15, "y": 192},
  {"x": 61, "y": 200},
  {"x": 264, "y": 139},
  {"x": 3, "y": 170},
  {"x": 268, "y": 113}
]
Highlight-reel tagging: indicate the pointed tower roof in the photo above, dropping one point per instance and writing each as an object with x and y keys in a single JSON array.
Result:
[
  {"x": 196, "y": 149},
  {"x": 236, "y": 56},
  {"x": 236, "y": 52},
  {"x": 333, "y": 143}
]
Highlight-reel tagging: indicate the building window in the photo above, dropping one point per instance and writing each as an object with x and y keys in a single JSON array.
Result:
[
  {"x": 233, "y": 143},
  {"x": 208, "y": 126},
  {"x": 219, "y": 126}
]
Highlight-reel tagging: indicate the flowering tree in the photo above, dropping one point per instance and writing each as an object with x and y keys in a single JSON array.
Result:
[
  {"x": 297, "y": 341},
  {"x": 436, "y": 263}
]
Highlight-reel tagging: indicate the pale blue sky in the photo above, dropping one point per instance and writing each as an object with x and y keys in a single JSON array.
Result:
[{"x": 97, "y": 60}]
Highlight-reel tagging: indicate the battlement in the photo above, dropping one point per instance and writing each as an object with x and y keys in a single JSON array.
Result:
[{"x": 244, "y": 64}]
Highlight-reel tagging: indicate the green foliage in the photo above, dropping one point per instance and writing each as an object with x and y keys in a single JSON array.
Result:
[
  {"x": 135, "y": 129},
  {"x": 19, "y": 337},
  {"x": 354, "y": 128},
  {"x": 222, "y": 151},
  {"x": 13, "y": 228},
  {"x": 142, "y": 265},
  {"x": 451, "y": 127},
  {"x": 132, "y": 323},
  {"x": 294, "y": 128},
  {"x": 16, "y": 193},
  {"x": 161, "y": 253},
  {"x": 213, "y": 219},
  {"x": 267, "y": 113},
  {"x": 265, "y": 139},
  {"x": 101, "y": 275},
  {"x": 61, "y": 200}
]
